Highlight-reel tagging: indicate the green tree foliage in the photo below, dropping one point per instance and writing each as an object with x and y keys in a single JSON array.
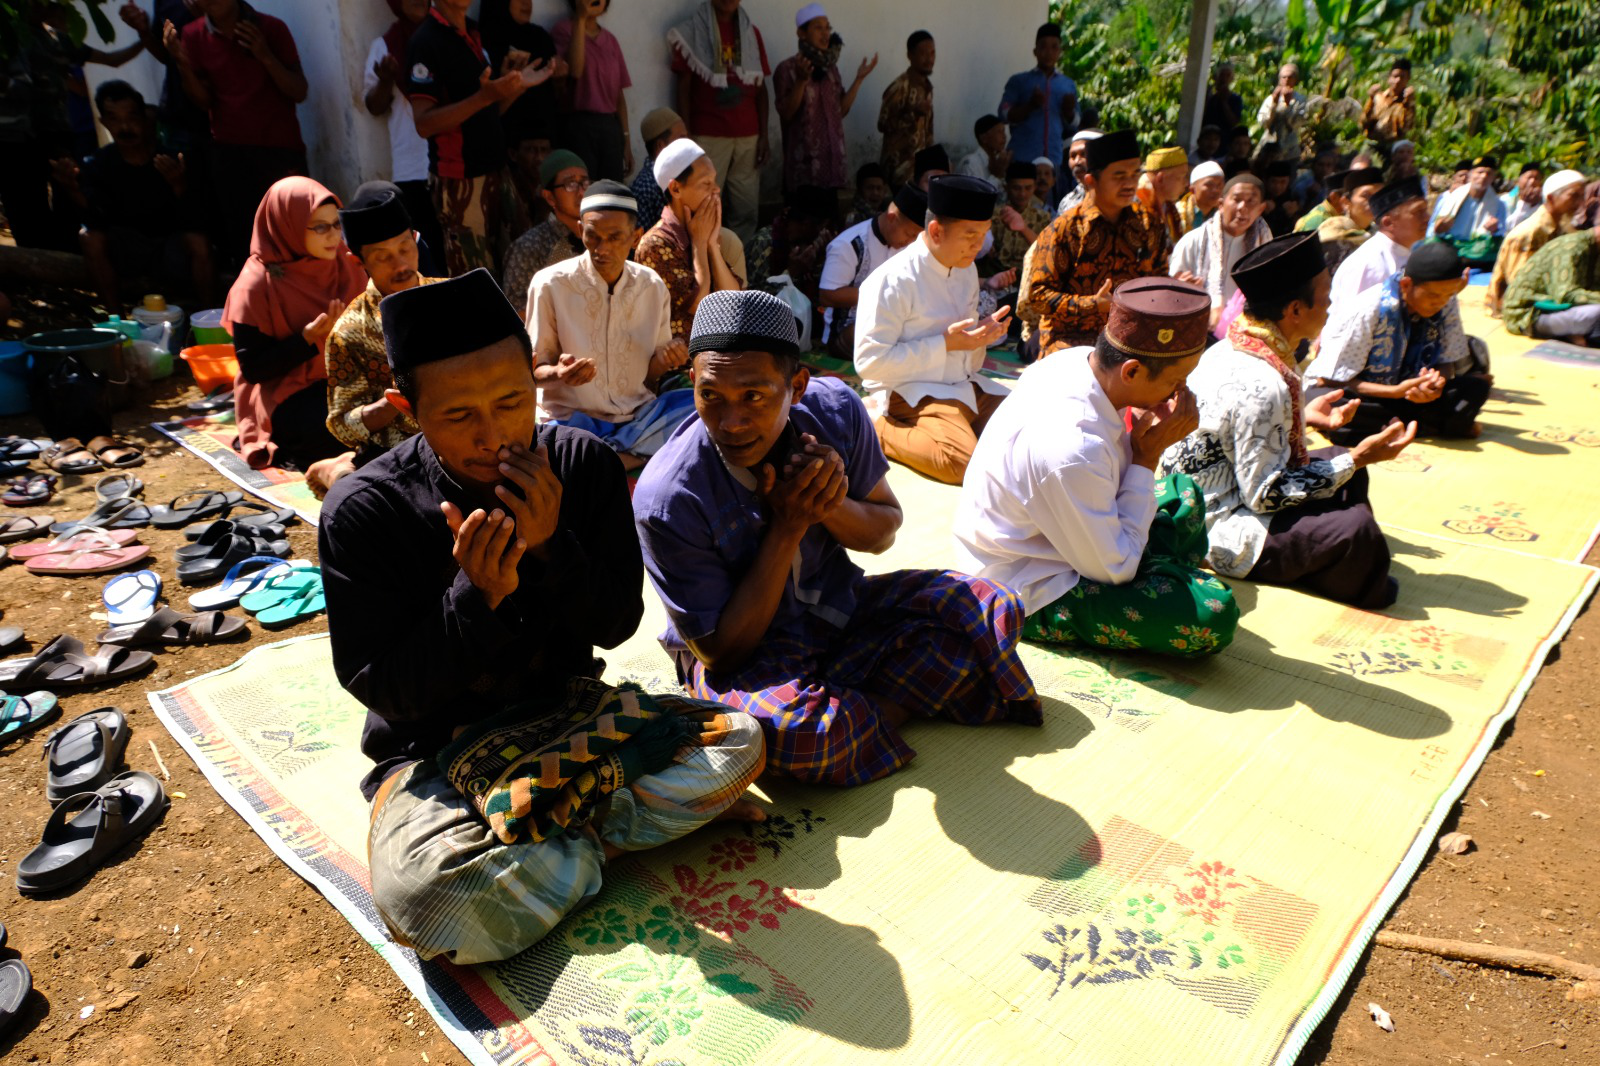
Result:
[
  {"x": 1516, "y": 78},
  {"x": 17, "y": 22}
]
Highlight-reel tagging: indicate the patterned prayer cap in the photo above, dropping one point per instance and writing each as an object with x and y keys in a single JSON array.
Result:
[
  {"x": 446, "y": 319},
  {"x": 744, "y": 320},
  {"x": 1167, "y": 158},
  {"x": 608, "y": 195},
  {"x": 1281, "y": 266},
  {"x": 1158, "y": 318}
]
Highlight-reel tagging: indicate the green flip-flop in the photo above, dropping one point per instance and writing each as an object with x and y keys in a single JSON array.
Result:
[
  {"x": 306, "y": 602},
  {"x": 279, "y": 587},
  {"x": 20, "y": 715}
]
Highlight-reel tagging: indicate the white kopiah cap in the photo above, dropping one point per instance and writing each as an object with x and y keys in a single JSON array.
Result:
[
  {"x": 1205, "y": 170},
  {"x": 1561, "y": 179},
  {"x": 674, "y": 159},
  {"x": 807, "y": 13}
]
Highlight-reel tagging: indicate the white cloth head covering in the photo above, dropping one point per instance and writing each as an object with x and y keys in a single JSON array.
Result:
[
  {"x": 1208, "y": 169},
  {"x": 1561, "y": 179},
  {"x": 1086, "y": 136},
  {"x": 674, "y": 159},
  {"x": 807, "y": 13},
  {"x": 1043, "y": 161}
]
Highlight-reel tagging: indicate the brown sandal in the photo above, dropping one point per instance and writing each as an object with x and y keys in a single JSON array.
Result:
[
  {"x": 69, "y": 456},
  {"x": 132, "y": 454}
]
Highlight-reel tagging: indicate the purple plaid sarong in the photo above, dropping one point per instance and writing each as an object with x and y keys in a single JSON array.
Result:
[{"x": 938, "y": 643}]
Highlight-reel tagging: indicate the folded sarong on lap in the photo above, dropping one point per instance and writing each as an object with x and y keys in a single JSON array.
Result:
[{"x": 542, "y": 771}]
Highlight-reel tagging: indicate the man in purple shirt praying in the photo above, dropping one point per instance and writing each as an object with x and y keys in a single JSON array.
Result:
[{"x": 746, "y": 518}]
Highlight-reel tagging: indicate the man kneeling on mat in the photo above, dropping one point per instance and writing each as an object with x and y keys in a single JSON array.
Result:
[
  {"x": 470, "y": 572},
  {"x": 1061, "y": 500},
  {"x": 747, "y": 518}
]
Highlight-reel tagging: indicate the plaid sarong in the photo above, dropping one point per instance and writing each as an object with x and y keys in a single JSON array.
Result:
[
  {"x": 542, "y": 770},
  {"x": 938, "y": 643}
]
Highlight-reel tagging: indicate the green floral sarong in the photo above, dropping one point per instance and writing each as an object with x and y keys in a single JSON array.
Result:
[{"x": 1171, "y": 607}]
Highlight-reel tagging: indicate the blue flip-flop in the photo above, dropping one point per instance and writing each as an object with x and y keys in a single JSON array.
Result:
[
  {"x": 244, "y": 577},
  {"x": 131, "y": 598},
  {"x": 21, "y": 715}
]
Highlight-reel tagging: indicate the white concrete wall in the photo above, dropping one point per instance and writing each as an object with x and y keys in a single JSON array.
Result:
[{"x": 980, "y": 45}]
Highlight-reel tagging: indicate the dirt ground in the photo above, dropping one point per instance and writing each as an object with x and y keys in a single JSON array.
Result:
[{"x": 197, "y": 946}]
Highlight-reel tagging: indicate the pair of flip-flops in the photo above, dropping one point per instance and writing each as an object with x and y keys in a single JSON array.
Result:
[
  {"x": 263, "y": 519},
  {"x": 87, "y": 552},
  {"x": 30, "y": 489},
  {"x": 21, "y": 715},
  {"x": 244, "y": 577},
  {"x": 210, "y": 558},
  {"x": 194, "y": 506},
  {"x": 89, "y": 827},
  {"x": 62, "y": 665},
  {"x": 287, "y": 597}
]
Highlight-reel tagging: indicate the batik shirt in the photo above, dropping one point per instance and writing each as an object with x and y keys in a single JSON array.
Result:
[
  {"x": 358, "y": 374},
  {"x": 648, "y": 193},
  {"x": 905, "y": 131},
  {"x": 1386, "y": 118},
  {"x": 1009, "y": 245},
  {"x": 1376, "y": 338},
  {"x": 548, "y": 243},
  {"x": 1536, "y": 231},
  {"x": 813, "y": 139},
  {"x": 1565, "y": 271},
  {"x": 1240, "y": 455},
  {"x": 1078, "y": 253}
]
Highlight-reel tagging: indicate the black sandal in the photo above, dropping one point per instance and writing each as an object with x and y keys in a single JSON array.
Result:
[
  {"x": 88, "y": 828},
  {"x": 204, "y": 504},
  {"x": 85, "y": 753}
]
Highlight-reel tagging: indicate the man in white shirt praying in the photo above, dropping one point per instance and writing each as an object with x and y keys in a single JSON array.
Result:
[
  {"x": 920, "y": 344},
  {"x": 602, "y": 335},
  {"x": 1061, "y": 501},
  {"x": 856, "y": 253},
  {"x": 1400, "y": 211}
]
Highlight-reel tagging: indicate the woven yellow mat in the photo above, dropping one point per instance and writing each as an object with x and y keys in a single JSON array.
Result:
[{"x": 1181, "y": 865}]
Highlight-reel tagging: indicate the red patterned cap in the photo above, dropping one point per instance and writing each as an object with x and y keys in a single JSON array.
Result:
[{"x": 1159, "y": 318}]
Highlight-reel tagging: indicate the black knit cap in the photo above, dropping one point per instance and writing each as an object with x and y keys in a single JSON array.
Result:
[
  {"x": 1434, "y": 260},
  {"x": 933, "y": 157},
  {"x": 446, "y": 319},
  {"x": 1021, "y": 170},
  {"x": 1280, "y": 267},
  {"x": 1366, "y": 176},
  {"x": 1396, "y": 193},
  {"x": 375, "y": 213},
  {"x": 961, "y": 196},
  {"x": 744, "y": 320},
  {"x": 1112, "y": 148},
  {"x": 912, "y": 202}
]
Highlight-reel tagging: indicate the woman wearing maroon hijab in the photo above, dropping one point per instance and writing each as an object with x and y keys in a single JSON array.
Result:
[{"x": 293, "y": 287}]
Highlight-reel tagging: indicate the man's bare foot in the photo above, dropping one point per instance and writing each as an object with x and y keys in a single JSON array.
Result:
[
  {"x": 1580, "y": 340},
  {"x": 1476, "y": 431},
  {"x": 321, "y": 475},
  {"x": 743, "y": 810}
]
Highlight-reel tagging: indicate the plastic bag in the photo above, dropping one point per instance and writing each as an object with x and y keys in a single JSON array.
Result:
[{"x": 798, "y": 304}]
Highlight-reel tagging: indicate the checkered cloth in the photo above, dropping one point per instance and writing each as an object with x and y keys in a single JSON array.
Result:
[{"x": 937, "y": 643}]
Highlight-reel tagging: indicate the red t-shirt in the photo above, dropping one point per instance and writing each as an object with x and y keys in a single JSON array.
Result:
[
  {"x": 246, "y": 107},
  {"x": 729, "y": 112}
]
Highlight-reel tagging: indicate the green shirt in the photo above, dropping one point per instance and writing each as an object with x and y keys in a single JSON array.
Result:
[
  {"x": 1314, "y": 217},
  {"x": 1564, "y": 271}
]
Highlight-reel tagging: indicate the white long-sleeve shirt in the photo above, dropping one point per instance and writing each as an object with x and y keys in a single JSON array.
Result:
[
  {"x": 851, "y": 256},
  {"x": 1052, "y": 493},
  {"x": 1374, "y": 261},
  {"x": 905, "y": 307}
]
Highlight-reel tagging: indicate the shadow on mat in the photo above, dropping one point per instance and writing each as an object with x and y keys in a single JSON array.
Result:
[
  {"x": 1418, "y": 592},
  {"x": 1337, "y": 695},
  {"x": 709, "y": 920}
]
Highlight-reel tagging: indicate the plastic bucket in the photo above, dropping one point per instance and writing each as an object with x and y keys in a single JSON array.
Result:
[
  {"x": 154, "y": 360},
  {"x": 213, "y": 365},
  {"x": 13, "y": 378},
  {"x": 207, "y": 327},
  {"x": 100, "y": 349}
]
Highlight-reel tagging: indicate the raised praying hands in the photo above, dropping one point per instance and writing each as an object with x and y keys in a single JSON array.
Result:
[
  {"x": 252, "y": 40},
  {"x": 1160, "y": 427},
  {"x": 1385, "y": 444},
  {"x": 971, "y": 334},
  {"x": 1425, "y": 387},
  {"x": 667, "y": 358},
  {"x": 533, "y": 495},
  {"x": 387, "y": 69},
  {"x": 868, "y": 65},
  {"x": 501, "y": 90},
  {"x": 1013, "y": 219},
  {"x": 133, "y": 16},
  {"x": 1001, "y": 281},
  {"x": 705, "y": 222},
  {"x": 1325, "y": 412},
  {"x": 317, "y": 330},
  {"x": 486, "y": 550},
  {"x": 810, "y": 494},
  {"x": 570, "y": 370},
  {"x": 173, "y": 42},
  {"x": 173, "y": 169}
]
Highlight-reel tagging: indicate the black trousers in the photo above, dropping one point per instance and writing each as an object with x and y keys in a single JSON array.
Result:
[
  {"x": 419, "y": 205},
  {"x": 1332, "y": 548},
  {"x": 1451, "y": 415},
  {"x": 300, "y": 428},
  {"x": 597, "y": 138}
]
